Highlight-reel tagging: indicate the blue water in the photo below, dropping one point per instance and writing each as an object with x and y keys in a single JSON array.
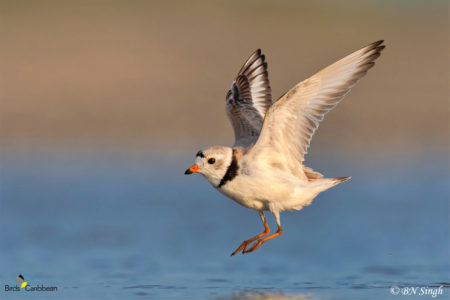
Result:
[{"x": 109, "y": 226}]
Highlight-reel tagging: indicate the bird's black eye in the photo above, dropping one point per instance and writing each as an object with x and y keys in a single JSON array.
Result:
[{"x": 211, "y": 160}]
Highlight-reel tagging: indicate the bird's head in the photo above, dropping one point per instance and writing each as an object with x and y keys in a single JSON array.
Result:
[{"x": 212, "y": 163}]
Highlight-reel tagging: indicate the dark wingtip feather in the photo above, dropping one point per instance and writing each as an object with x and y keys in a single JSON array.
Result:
[
  {"x": 375, "y": 45},
  {"x": 342, "y": 179},
  {"x": 373, "y": 56}
]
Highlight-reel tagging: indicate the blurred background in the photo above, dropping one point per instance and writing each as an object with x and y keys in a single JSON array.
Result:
[{"x": 103, "y": 105}]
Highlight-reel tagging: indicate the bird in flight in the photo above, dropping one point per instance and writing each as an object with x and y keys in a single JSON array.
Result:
[{"x": 264, "y": 170}]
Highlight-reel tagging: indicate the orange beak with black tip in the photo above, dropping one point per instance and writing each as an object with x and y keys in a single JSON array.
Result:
[{"x": 192, "y": 169}]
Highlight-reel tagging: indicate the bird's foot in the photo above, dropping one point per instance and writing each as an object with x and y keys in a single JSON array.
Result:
[
  {"x": 255, "y": 246},
  {"x": 242, "y": 247}
]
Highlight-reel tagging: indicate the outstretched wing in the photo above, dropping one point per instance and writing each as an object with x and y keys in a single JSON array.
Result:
[
  {"x": 248, "y": 100},
  {"x": 292, "y": 120}
]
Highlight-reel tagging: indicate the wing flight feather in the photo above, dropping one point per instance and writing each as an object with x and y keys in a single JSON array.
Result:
[
  {"x": 248, "y": 100},
  {"x": 291, "y": 121}
]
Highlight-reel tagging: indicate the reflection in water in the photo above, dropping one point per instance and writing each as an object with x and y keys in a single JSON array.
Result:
[
  {"x": 154, "y": 286},
  {"x": 384, "y": 270},
  {"x": 267, "y": 296}
]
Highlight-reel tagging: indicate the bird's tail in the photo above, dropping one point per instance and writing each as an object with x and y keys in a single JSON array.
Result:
[
  {"x": 318, "y": 186},
  {"x": 324, "y": 184},
  {"x": 338, "y": 180}
]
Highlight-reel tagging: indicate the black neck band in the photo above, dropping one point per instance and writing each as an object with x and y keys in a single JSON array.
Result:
[{"x": 231, "y": 171}]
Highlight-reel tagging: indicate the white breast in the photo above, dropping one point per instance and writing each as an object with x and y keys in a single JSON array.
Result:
[{"x": 261, "y": 193}]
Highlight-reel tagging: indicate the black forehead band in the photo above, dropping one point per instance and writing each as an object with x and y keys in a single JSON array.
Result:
[{"x": 200, "y": 154}]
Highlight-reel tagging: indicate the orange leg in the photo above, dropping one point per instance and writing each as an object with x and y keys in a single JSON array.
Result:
[
  {"x": 245, "y": 244},
  {"x": 258, "y": 243}
]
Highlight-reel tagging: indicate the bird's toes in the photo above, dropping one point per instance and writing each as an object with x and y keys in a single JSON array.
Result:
[
  {"x": 246, "y": 244},
  {"x": 242, "y": 247},
  {"x": 254, "y": 247}
]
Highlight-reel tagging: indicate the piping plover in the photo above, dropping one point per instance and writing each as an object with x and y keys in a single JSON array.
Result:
[{"x": 264, "y": 169}]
